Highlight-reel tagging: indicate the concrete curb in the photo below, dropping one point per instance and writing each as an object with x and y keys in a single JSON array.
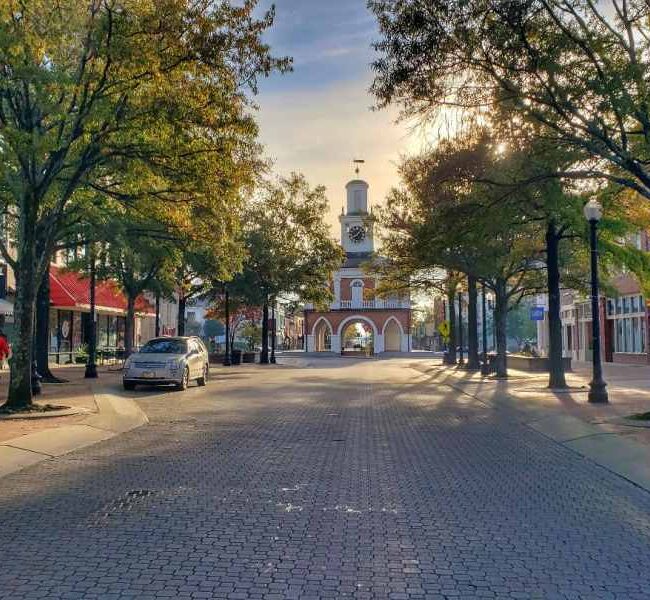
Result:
[
  {"x": 624, "y": 457},
  {"x": 116, "y": 415}
]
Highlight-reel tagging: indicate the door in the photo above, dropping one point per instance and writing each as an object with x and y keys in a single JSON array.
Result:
[{"x": 194, "y": 360}]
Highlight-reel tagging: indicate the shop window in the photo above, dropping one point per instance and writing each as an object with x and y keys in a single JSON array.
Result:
[{"x": 610, "y": 307}]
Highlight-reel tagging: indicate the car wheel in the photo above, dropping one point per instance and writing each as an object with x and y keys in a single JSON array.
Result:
[
  {"x": 204, "y": 378},
  {"x": 129, "y": 386},
  {"x": 185, "y": 380}
]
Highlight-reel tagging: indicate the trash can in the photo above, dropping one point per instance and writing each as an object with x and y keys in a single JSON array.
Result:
[{"x": 236, "y": 357}]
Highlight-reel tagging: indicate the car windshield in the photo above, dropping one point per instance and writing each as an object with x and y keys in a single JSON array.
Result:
[{"x": 164, "y": 347}]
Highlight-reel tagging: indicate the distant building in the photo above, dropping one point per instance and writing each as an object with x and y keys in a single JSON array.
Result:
[{"x": 356, "y": 320}]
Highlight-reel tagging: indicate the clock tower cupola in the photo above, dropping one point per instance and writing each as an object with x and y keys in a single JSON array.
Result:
[{"x": 356, "y": 222}]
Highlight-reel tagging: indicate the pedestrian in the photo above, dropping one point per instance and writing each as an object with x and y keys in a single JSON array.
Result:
[{"x": 5, "y": 349}]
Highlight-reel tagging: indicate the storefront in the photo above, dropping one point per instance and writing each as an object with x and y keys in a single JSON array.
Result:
[
  {"x": 69, "y": 328},
  {"x": 627, "y": 328}
]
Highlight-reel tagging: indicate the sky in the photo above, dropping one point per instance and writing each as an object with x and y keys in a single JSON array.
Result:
[{"x": 318, "y": 118}]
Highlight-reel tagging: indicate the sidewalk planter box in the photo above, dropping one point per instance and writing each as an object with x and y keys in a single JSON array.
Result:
[
  {"x": 216, "y": 358},
  {"x": 534, "y": 364},
  {"x": 249, "y": 357},
  {"x": 236, "y": 357}
]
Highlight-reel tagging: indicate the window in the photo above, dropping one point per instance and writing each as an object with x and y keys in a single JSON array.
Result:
[{"x": 162, "y": 346}]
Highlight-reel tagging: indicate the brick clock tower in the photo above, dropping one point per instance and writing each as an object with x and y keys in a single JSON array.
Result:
[{"x": 356, "y": 321}]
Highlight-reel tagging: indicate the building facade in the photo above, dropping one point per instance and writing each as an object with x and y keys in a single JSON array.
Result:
[
  {"x": 623, "y": 318},
  {"x": 357, "y": 320}
]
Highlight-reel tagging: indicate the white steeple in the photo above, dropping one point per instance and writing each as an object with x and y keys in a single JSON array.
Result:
[{"x": 356, "y": 222}]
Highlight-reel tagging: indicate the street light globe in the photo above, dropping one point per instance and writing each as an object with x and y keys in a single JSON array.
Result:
[{"x": 593, "y": 211}]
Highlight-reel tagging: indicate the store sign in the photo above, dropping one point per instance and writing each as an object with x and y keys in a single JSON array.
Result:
[{"x": 536, "y": 313}]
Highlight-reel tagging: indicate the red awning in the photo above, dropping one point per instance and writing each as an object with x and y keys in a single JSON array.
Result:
[{"x": 69, "y": 289}]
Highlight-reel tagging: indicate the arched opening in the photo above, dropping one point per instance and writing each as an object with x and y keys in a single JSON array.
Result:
[
  {"x": 322, "y": 336},
  {"x": 392, "y": 336},
  {"x": 357, "y": 337}
]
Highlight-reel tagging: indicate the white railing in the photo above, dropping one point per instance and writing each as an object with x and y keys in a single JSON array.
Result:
[{"x": 369, "y": 304}]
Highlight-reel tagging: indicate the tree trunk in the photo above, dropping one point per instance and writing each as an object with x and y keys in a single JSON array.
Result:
[
  {"x": 556, "y": 377},
  {"x": 42, "y": 337},
  {"x": 182, "y": 302},
  {"x": 451, "y": 352},
  {"x": 20, "y": 381},
  {"x": 264, "y": 355},
  {"x": 500, "y": 317},
  {"x": 473, "y": 363},
  {"x": 157, "y": 328},
  {"x": 129, "y": 326}
]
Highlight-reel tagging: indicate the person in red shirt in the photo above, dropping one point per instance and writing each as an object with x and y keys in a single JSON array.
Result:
[{"x": 5, "y": 348}]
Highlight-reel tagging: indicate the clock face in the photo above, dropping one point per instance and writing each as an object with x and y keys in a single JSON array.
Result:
[{"x": 357, "y": 234}]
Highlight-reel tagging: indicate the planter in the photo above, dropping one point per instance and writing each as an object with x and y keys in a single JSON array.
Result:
[
  {"x": 534, "y": 364},
  {"x": 81, "y": 360},
  {"x": 216, "y": 358},
  {"x": 236, "y": 357},
  {"x": 249, "y": 357}
]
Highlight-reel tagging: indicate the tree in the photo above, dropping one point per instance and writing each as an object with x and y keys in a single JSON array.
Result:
[
  {"x": 134, "y": 99},
  {"x": 288, "y": 245},
  {"x": 239, "y": 314},
  {"x": 447, "y": 187},
  {"x": 576, "y": 68}
]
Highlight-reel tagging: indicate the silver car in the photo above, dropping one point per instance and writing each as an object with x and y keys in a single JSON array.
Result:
[{"x": 167, "y": 360}]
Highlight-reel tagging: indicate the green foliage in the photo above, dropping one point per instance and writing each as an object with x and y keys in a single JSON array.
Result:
[
  {"x": 576, "y": 68},
  {"x": 252, "y": 333},
  {"x": 143, "y": 103},
  {"x": 290, "y": 251}
]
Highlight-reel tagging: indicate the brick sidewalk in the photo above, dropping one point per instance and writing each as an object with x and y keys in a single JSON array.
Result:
[
  {"x": 628, "y": 386},
  {"x": 77, "y": 392}
]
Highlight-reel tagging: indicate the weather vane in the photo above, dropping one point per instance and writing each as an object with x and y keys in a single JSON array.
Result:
[{"x": 357, "y": 162}]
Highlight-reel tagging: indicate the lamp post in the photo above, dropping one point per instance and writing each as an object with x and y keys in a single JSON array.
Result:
[
  {"x": 91, "y": 365},
  {"x": 226, "y": 359},
  {"x": 461, "y": 360},
  {"x": 273, "y": 331},
  {"x": 598, "y": 388},
  {"x": 485, "y": 368}
]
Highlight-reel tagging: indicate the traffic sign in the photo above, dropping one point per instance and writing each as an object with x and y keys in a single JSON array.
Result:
[{"x": 536, "y": 313}]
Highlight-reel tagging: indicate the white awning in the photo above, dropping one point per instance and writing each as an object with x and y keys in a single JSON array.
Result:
[{"x": 6, "y": 307}]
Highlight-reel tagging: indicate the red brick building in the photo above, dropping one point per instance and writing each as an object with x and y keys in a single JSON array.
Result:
[{"x": 356, "y": 320}]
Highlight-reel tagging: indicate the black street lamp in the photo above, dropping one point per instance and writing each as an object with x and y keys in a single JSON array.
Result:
[
  {"x": 593, "y": 212},
  {"x": 485, "y": 368},
  {"x": 91, "y": 365},
  {"x": 273, "y": 331},
  {"x": 461, "y": 360},
  {"x": 226, "y": 359}
]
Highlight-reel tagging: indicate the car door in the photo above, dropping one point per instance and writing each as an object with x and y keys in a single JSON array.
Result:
[{"x": 194, "y": 359}]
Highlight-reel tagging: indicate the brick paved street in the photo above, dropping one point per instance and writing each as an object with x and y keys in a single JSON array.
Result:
[{"x": 343, "y": 479}]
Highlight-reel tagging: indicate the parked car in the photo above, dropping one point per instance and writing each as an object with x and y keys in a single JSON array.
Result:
[{"x": 168, "y": 360}]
